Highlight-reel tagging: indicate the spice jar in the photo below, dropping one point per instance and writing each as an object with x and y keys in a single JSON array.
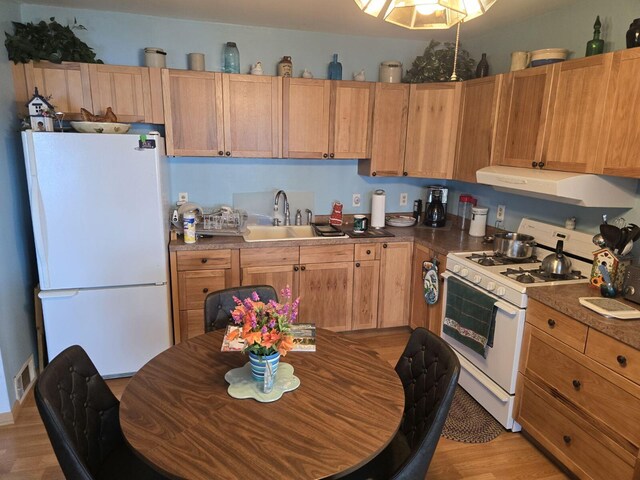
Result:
[{"x": 285, "y": 67}]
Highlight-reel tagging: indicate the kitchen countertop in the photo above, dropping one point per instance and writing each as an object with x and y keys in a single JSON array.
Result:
[{"x": 564, "y": 298}]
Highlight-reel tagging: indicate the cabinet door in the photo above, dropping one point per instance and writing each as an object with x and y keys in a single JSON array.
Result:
[
  {"x": 389, "y": 134},
  {"x": 431, "y": 132},
  {"x": 278, "y": 276},
  {"x": 522, "y": 117},
  {"x": 67, "y": 84},
  {"x": 366, "y": 275},
  {"x": 351, "y": 116},
  {"x": 193, "y": 112},
  {"x": 476, "y": 135},
  {"x": 622, "y": 148},
  {"x": 326, "y": 294},
  {"x": 305, "y": 118},
  {"x": 422, "y": 314},
  {"x": 578, "y": 94},
  {"x": 395, "y": 284},
  {"x": 127, "y": 90},
  {"x": 252, "y": 115}
]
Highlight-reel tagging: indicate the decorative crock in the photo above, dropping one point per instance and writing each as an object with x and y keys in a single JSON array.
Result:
[{"x": 259, "y": 362}]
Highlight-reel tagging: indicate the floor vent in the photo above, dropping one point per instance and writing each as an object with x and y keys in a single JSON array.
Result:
[{"x": 24, "y": 379}]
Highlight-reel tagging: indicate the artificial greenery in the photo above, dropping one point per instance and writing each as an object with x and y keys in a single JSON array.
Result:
[
  {"x": 436, "y": 64},
  {"x": 48, "y": 41}
]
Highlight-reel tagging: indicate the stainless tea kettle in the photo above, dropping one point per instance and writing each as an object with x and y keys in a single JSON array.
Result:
[{"x": 557, "y": 264}]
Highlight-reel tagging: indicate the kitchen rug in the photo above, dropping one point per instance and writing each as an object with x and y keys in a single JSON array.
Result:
[{"x": 468, "y": 422}]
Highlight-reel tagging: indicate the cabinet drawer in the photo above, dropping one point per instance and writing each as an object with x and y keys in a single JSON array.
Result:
[
  {"x": 367, "y": 251},
  {"x": 608, "y": 397},
  {"x": 260, "y": 257},
  {"x": 191, "y": 323},
  {"x": 326, "y": 253},
  {"x": 616, "y": 355},
  {"x": 557, "y": 324},
  {"x": 204, "y": 260},
  {"x": 570, "y": 437},
  {"x": 195, "y": 286}
]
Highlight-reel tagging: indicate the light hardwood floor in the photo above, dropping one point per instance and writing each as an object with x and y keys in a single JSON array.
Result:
[{"x": 26, "y": 454}]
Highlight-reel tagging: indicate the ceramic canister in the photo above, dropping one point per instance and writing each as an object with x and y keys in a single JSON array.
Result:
[
  {"x": 155, "y": 57},
  {"x": 390, "y": 72}
]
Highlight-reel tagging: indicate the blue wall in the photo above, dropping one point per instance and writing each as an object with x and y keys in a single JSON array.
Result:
[{"x": 17, "y": 270}]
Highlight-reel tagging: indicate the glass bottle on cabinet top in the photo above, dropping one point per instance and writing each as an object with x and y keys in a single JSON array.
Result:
[
  {"x": 335, "y": 69},
  {"x": 595, "y": 46},
  {"x": 482, "y": 70},
  {"x": 231, "y": 58}
]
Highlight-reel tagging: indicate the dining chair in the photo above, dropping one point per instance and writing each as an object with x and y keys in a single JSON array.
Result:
[
  {"x": 81, "y": 416},
  {"x": 429, "y": 370},
  {"x": 219, "y": 305}
]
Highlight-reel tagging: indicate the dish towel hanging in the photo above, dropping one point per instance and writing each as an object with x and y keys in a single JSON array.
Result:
[
  {"x": 430, "y": 281},
  {"x": 469, "y": 316}
]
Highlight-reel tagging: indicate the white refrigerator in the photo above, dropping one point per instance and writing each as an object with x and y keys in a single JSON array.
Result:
[{"x": 99, "y": 208}]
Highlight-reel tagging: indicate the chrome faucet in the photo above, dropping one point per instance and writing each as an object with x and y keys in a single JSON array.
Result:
[{"x": 287, "y": 214}]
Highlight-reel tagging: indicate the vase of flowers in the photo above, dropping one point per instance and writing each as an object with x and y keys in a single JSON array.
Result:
[{"x": 266, "y": 330}]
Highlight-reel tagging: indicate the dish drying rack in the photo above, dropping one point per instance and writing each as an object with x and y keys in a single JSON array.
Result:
[{"x": 221, "y": 221}]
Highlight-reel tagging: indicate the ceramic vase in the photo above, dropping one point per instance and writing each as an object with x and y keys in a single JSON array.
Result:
[{"x": 259, "y": 362}]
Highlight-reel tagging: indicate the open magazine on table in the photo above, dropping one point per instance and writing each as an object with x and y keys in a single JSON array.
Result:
[{"x": 304, "y": 338}]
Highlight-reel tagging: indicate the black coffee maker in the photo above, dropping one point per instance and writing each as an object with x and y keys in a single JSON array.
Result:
[{"x": 436, "y": 206}]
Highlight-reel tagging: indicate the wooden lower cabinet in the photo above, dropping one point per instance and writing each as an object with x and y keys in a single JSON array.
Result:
[
  {"x": 395, "y": 284},
  {"x": 578, "y": 406},
  {"x": 422, "y": 314},
  {"x": 275, "y": 266},
  {"x": 366, "y": 281}
]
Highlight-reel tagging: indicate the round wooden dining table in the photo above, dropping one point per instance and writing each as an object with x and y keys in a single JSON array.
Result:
[{"x": 176, "y": 413}]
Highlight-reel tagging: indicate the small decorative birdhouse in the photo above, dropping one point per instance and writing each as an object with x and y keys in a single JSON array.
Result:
[
  {"x": 615, "y": 265},
  {"x": 41, "y": 113}
]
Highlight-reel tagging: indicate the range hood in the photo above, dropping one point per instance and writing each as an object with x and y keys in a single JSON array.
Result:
[{"x": 581, "y": 189}]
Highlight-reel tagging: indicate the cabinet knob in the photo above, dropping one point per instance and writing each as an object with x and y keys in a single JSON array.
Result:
[
  {"x": 228, "y": 154},
  {"x": 576, "y": 384},
  {"x": 204, "y": 260},
  {"x": 205, "y": 290},
  {"x": 324, "y": 155},
  {"x": 534, "y": 164},
  {"x": 357, "y": 264},
  {"x": 551, "y": 322},
  {"x": 368, "y": 252},
  {"x": 220, "y": 152},
  {"x": 541, "y": 165},
  {"x": 622, "y": 360},
  {"x": 567, "y": 439},
  {"x": 303, "y": 268},
  {"x": 295, "y": 269},
  {"x": 374, "y": 174},
  {"x": 384, "y": 245},
  {"x": 332, "y": 155},
  {"x": 404, "y": 174}
]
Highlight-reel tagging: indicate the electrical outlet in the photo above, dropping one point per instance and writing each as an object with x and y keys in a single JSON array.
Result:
[
  {"x": 183, "y": 197},
  {"x": 404, "y": 198},
  {"x": 500, "y": 213},
  {"x": 355, "y": 200}
]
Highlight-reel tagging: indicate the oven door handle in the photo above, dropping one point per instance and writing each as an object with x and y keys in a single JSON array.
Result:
[{"x": 505, "y": 307}]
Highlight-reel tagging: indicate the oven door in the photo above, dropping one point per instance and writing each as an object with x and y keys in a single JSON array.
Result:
[{"x": 501, "y": 363}]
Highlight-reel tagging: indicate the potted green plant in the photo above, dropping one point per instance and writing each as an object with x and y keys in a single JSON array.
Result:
[
  {"x": 436, "y": 64},
  {"x": 48, "y": 41}
]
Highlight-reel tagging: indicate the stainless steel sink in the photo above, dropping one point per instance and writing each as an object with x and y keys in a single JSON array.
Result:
[{"x": 261, "y": 233}]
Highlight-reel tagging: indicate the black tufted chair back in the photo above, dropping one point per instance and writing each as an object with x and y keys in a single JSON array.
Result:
[
  {"x": 218, "y": 305},
  {"x": 79, "y": 412},
  {"x": 429, "y": 371}
]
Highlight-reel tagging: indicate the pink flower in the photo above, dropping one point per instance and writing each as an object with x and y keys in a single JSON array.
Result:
[{"x": 255, "y": 296}]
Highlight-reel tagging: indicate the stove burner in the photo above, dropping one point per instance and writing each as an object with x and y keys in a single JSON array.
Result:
[
  {"x": 525, "y": 278},
  {"x": 538, "y": 275},
  {"x": 490, "y": 260}
]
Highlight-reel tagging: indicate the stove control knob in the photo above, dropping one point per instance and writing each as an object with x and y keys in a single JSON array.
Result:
[
  {"x": 477, "y": 279},
  {"x": 501, "y": 291},
  {"x": 464, "y": 272},
  {"x": 456, "y": 268},
  {"x": 491, "y": 286}
]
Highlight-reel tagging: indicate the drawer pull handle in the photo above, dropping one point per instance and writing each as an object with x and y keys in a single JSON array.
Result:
[
  {"x": 204, "y": 260},
  {"x": 551, "y": 322},
  {"x": 576, "y": 384},
  {"x": 357, "y": 264},
  {"x": 205, "y": 290},
  {"x": 384, "y": 245},
  {"x": 303, "y": 268},
  {"x": 368, "y": 252},
  {"x": 622, "y": 360},
  {"x": 296, "y": 268},
  {"x": 567, "y": 439}
]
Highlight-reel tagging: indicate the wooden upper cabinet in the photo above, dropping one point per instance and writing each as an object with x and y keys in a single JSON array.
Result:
[
  {"x": 621, "y": 155},
  {"x": 67, "y": 84},
  {"x": 522, "y": 117},
  {"x": 573, "y": 132},
  {"x": 193, "y": 112},
  {"x": 306, "y": 118},
  {"x": 252, "y": 115},
  {"x": 389, "y": 131},
  {"x": 351, "y": 116},
  {"x": 432, "y": 129},
  {"x": 127, "y": 90},
  {"x": 477, "y": 132}
]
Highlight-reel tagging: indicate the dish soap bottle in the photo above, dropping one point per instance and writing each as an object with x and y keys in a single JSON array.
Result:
[
  {"x": 335, "y": 69},
  {"x": 434, "y": 216},
  {"x": 595, "y": 46}
]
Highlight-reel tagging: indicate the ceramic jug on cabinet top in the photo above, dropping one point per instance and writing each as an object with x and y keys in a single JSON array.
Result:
[{"x": 520, "y": 60}]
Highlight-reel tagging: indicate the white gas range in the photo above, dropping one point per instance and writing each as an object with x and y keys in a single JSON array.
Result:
[{"x": 491, "y": 379}]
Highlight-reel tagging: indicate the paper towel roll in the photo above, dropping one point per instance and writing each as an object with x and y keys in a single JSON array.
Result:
[{"x": 377, "y": 209}]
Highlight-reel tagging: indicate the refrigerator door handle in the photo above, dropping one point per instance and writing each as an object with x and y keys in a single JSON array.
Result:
[{"x": 58, "y": 293}]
